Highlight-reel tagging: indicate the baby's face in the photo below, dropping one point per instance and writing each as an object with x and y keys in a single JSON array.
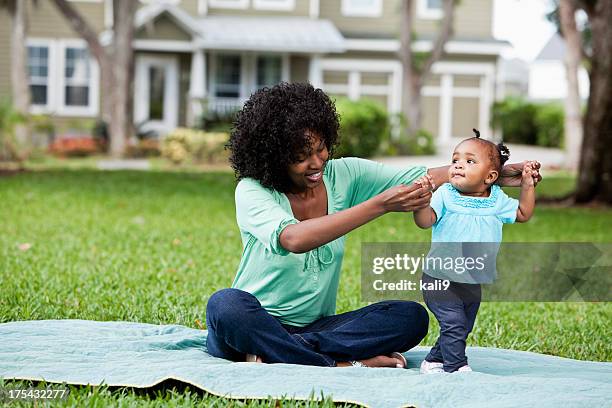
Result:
[{"x": 471, "y": 170}]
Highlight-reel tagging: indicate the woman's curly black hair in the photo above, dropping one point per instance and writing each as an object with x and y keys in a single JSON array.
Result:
[{"x": 274, "y": 128}]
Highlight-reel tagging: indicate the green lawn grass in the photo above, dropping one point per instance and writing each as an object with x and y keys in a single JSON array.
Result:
[{"x": 153, "y": 246}]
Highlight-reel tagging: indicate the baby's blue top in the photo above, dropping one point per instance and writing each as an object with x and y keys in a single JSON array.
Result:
[{"x": 463, "y": 219}]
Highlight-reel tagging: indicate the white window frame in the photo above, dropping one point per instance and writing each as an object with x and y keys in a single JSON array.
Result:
[
  {"x": 427, "y": 13},
  {"x": 248, "y": 76},
  {"x": 349, "y": 10},
  {"x": 51, "y": 73},
  {"x": 229, "y": 4},
  {"x": 274, "y": 5},
  {"x": 92, "y": 108}
]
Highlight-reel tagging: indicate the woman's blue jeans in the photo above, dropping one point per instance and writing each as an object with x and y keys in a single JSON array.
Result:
[{"x": 239, "y": 325}]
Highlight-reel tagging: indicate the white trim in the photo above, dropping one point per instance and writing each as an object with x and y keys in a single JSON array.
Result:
[
  {"x": 314, "y": 9},
  {"x": 354, "y": 89},
  {"x": 202, "y": 7},
  {"x": 171, "y": 91},
  {"x": 51, "y": 73},
  {"x": 248, "y": 73},
  {"x": 427, "y": 13},
  {"x": 350, "y": 10},
  {"x": 462, "y": 92},
  {"x": 463, "y": 68},
  {"x": 108, "y": 14},
  {"x": 445, "y": 111},
  {"x": 229, "y": 4},
  {"x": 285, "y": 67},
  {"x": 173, "y": 2},
  {"x": 274, "y": 5},
  {"x": 93, "y": 85},
  {"x": 456, "y": 47},
  {"x": 484, "y": 102},
  {"x": 164, "y": 45},
  {"x": 315, "y": 75}
]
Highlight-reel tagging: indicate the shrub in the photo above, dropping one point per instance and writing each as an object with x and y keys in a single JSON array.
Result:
[
  {"x": 421, "y": 143},
  {"x": 185, "y": 144},
  {"x": 364, "y": 124},
  {"x": 528, "y": 123},
  {"x": 549, "y": 121},
  {"x": 515, "y": 118},
  {"x": 75, "y": 147},
  {"x": 144, "y": 148}
]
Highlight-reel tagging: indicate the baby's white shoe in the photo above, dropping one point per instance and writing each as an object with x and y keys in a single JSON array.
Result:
[
  {"x": 465, "y": 369},
  {"x": 431, "y": 367}
]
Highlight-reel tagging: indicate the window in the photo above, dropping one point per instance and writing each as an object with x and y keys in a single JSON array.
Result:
[
  {"x": 38, "y": 69},
  {"x": 282, "y": 5},
  {"x": 228, "y": 76},
  {"x": 269, "y": 70},
  {"x": 362, "y": 8},
  {"x": 430, "y": 9},
  {"x": 230, "y": 4},
  {"x": 77, "y": 75}
]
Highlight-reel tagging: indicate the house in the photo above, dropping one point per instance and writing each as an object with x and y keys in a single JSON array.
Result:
[
  {"x": 212, "y": 54},
  {"x": 547, "y": 77}
]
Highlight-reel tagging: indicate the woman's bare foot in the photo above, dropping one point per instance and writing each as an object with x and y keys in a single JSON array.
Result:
[
  {"x": 378, "y": 361},
  {"x": 252, "y": 358}
]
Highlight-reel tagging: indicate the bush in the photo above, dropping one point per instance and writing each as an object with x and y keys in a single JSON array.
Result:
[
  {"x": 144, "y": 148},
  {"x": 364, "y": 124},
  {"x": 421, "y": 143},
  {"x": 185, "y": 144},
  {"x": 528, "y": 123},
  {"x": 75, "y": 147},
  {"x": 549, "y": 121}
]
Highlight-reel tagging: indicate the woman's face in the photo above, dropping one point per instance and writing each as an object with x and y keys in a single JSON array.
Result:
[{"x": 307, "y": 172}]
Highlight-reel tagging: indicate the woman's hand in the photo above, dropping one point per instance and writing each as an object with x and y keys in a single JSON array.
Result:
[
  {"x": 405, "y": 198},
  {"x": 512, "y": 174}
]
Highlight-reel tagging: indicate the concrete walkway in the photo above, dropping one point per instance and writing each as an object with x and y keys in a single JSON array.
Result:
[
  {"x": 126, "y": 164},
  {"x": 550, "y": 158}
]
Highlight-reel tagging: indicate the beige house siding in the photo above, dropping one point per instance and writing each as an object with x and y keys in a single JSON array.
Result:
[
  {"x": 298, "y": 66},
  {"x": 362, "y": 27},
  {"x": 47, "y": 22},
  {"x": 302, "y": 8},
  {"x": 190, "y": 6},
  {"x": 162, "y": 28},
  {"x": 473, "y": 19}
]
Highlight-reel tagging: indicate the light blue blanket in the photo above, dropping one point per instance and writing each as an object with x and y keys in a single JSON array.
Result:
[{"x": 142, "y": 355}]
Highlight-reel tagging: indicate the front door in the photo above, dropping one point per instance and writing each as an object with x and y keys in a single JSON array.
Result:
[{"x": 156, "y": 93}]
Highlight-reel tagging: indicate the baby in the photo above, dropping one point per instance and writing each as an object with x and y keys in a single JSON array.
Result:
[{"x": 470, "y": 208}]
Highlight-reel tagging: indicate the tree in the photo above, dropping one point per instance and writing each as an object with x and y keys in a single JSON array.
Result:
[
  {"x": 19, "y": 74},
  {"x": 116, "y": 66},
  {"x": 572, "y": 61},
  {"x": 417, "y": 66},
  {"x": 595, "y": 170}
]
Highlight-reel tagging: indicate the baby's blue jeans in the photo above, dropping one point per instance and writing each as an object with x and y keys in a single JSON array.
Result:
[{"x": 455, "y": 309}]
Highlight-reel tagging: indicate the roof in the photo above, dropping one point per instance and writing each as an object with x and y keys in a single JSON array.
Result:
[
  {"x": 288, "y": 34},
  {"x": 281, "y": 34},
  {"x": 553, "y": 50}
]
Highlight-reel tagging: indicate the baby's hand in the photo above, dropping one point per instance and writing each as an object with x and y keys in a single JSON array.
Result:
[
  {"x": 425, "y": 181},
  {"x": 529, "y": 174}
]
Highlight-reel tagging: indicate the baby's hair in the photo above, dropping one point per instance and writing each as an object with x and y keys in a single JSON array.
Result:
[{"x": 498, "y": 153}]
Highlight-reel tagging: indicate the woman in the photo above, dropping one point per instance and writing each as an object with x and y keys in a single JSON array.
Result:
[{"x": 294, "y": 205}]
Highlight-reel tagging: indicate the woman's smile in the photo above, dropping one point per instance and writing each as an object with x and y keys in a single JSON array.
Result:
[{"x": 315, "y": 177}]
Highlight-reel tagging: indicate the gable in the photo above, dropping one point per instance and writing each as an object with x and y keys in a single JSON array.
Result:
[{"x": 163, "y": 27}]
